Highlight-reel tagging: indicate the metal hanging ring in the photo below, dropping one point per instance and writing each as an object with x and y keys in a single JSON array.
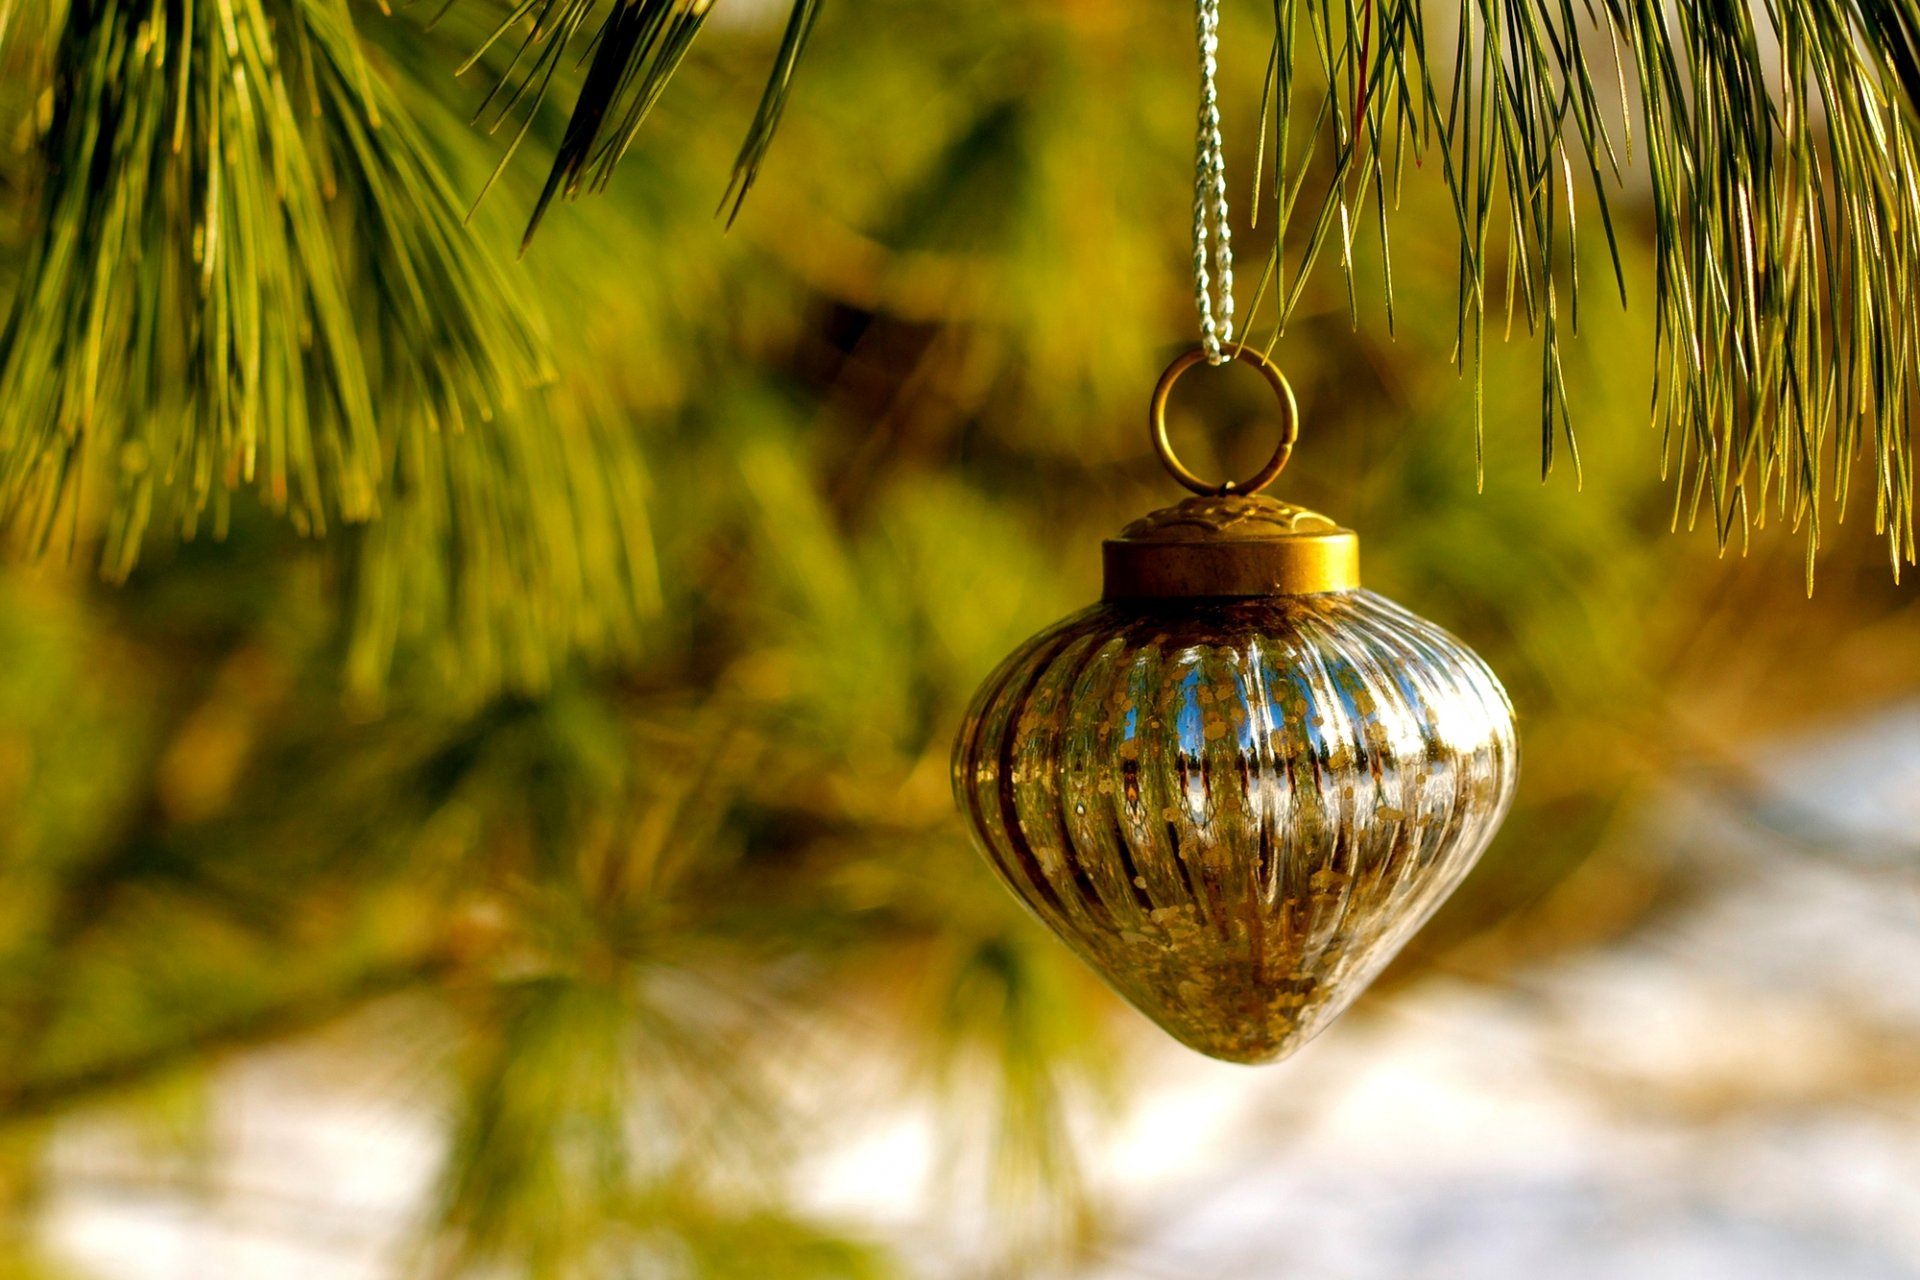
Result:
[{"x": 1289, "y": 424}]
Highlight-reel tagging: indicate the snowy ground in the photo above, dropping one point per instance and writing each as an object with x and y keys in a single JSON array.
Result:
[{"x": 1733, "y": 1094}]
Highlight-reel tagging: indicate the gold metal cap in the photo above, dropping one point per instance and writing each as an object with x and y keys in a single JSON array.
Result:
[{"x": 1231, "y": 545}]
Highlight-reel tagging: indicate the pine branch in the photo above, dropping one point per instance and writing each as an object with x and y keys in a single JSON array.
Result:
[
  {"x": 1786, "y": 221},
  {"x": 247, "y": 272}
]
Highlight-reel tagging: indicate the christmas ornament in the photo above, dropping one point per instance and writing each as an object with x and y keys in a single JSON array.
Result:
[{"x": 1239, "y": 783}]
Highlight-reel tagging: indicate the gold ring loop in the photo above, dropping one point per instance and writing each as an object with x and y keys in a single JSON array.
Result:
[{"x": 1289, "y": 425}]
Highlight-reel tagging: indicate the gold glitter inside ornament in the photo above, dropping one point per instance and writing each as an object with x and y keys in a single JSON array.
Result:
[{"x": 1240, "y": 783}]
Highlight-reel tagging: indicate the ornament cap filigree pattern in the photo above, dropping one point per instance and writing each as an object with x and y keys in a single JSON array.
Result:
[{"x": 1227, "y": 517}]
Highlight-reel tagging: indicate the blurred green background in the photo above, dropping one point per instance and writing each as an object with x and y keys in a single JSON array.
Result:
[{"x": 622, "y": 856}]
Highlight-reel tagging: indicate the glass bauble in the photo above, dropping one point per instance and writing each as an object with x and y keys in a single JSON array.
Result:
[{"x": 1239, "y": 784}]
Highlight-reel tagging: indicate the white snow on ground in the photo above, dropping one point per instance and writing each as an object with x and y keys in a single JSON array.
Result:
[{"x": 1732, "y": 1094}]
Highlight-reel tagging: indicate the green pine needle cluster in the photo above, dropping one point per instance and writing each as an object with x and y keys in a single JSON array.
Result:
[
  {"x": 1790, "y": 254},
  {"x": 249, "y": 272},
  {"x": 1780, "y": 155},
  {"x": 248, "y": 279}
]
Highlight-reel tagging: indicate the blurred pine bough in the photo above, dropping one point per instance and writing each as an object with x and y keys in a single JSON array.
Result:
[{"x": 653, "y": 663}]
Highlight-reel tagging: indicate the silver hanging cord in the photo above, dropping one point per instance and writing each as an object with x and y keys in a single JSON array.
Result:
[{"x": 1212, "y": 237}]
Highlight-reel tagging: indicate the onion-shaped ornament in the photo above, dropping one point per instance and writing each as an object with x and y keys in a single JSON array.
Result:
[{"x": 1238, "y": 784}]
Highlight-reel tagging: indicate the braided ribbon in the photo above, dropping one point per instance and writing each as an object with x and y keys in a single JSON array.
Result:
[{"x": 1212, "y": 237}]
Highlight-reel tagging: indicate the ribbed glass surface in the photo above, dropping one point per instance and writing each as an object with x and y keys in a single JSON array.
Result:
[{"x": 1238, "y": 811}]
